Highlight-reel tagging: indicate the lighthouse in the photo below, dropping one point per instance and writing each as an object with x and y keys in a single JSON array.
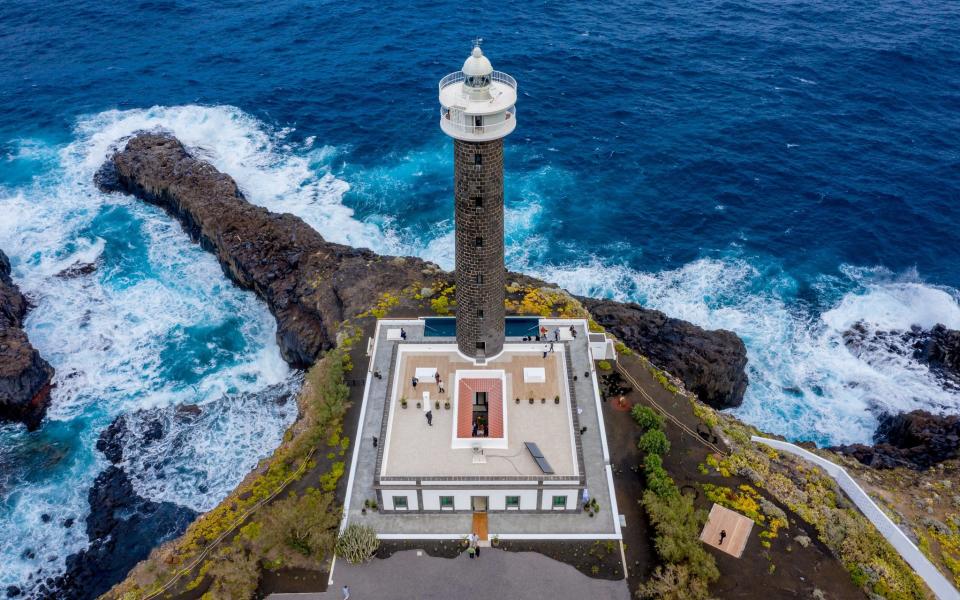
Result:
[{"x": 478, "y": 110}]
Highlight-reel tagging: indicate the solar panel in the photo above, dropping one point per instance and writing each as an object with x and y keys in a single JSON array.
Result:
[{"x": 538, "y": 456}]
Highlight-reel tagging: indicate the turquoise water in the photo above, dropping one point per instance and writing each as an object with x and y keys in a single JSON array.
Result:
[{"x": 782, "y": 170}]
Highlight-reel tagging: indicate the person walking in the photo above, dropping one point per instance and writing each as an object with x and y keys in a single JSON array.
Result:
[
  {"x": 551, "y": 346},
  {"x": 415, "y": 381},
  {"x": 403, "y": 334},
  {"x": 429, "y": 416},
  {"x": 436, "y": 377},
  {"x": 543, "y": 331},
  {"x": 476, "y": 544},
  {"x": 346, "y": 592},
  {"x": 545, "y": 350},
  {"x": 556, "y": 334},
  {"x": 573, "y": 332},
  {"x": 440, "y": 385},
  {"x": 723, "y": 534}
]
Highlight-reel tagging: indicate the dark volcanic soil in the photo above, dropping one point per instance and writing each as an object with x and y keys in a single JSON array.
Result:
[{"x": 796, "y": 571}]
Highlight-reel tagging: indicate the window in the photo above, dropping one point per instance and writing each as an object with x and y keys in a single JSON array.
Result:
[
  {"x": 480, "y": 313},
  {"x": 480, "y": 278},
  {"x": 479, "y": 241},
  {"x": 559, "y": 502},
  {"x": 399, "y": 503},
  {"x": 513, "y": 502},
  {"x": 478, "y": 201},
  {"x": 478, "y": 121},
  {"x": 481, "y": 345},
  {"x": 446, "y": 502}
]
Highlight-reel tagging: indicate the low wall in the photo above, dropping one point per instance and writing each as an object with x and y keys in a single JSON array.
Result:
[{"x": 935, "y": 580}]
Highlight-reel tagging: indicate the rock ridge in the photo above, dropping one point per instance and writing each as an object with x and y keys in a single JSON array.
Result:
[
  {"x": 311, "y": 285},
  {"x": 25, "y": 377}
]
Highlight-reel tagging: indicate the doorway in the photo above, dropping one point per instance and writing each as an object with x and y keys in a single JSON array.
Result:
[{"x": 478, "y": 503}]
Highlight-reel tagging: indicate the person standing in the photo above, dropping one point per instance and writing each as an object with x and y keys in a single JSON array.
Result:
[
  {"x": 346, "y": 592},
  {"x": 573, "y": 332},
  {"x": 551, "y": 346},
  {"x": 415, "y": 381},
  {"x": 556, "y": 334},
  {"x": 436, "y": 377},
  {"x": 440, "y": 385},
  {"x": 403, "y": 334},
  {"x": 430, "y": 418},
  {"x": 723, "y": 534}
]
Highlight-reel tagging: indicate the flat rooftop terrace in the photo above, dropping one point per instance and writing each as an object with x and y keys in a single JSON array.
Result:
[{"x": 414, "y": 448}]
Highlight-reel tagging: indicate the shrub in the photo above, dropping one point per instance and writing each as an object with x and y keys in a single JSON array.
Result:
[
  {"x": 658, "y": 480},
  {"x": 673, "y": 582},
  {"x": 234, "y": 572},
  {"x": 357, "y": 543},
  {"x": 304, "y": 524},
  {"x": 654, "y": 441},
  {"x": 678, "y": 525},
  {"x": 604, "y": 365},
  {"x": 646, "y": 417}
]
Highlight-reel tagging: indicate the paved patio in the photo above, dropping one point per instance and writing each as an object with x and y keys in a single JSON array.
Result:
[
  {"x": 495, "y": 575},
  {"x": 414, "y": 525}
]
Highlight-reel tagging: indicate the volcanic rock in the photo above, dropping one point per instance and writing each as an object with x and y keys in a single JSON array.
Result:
[
  {"x": 122, "y": 528},
  {"x": 710, "y": 363},
  {"x": 311, "y": 285},
  {"x": 24, "y": 375},
  {"x": 938, "y": 348},
  {"x": 915, "y": 439}
]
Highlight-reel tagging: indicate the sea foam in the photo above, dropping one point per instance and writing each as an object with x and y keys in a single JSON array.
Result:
[
  {"x": 804, "y": 382},
  {"x": 155, "y": 325}
]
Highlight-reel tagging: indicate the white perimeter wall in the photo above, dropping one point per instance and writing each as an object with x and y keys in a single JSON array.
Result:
[
  {"x": 410, "y": 494},
  {"x": 497, "y": 498}
]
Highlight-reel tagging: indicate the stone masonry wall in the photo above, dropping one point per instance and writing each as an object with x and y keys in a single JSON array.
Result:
[{"x": 480, "y": 274}]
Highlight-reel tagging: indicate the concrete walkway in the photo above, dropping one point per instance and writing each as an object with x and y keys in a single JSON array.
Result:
[
  {"x": 496, "y": 575},
  {"x": 939, "y": 584}
]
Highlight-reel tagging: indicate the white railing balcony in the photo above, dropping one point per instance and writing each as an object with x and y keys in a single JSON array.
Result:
[
  {"x": 496, "y": 76},
  {"x": 458, "y": 125}
]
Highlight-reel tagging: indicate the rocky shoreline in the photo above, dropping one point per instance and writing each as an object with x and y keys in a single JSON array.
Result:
[
  {"x": 312, "y": 285},
  {"x": 122, "y": 527},
  {"x": 25, "y": 377}
]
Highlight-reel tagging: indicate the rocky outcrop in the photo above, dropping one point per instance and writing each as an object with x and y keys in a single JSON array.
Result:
[
  {"x": 24, "y": 375},
  {"x": 122, "y": 528},
  {"x": 938, "y": 348},
  {"x": 311, "y": 285},
  {"x": 916, "y": 439},
  {"x": 710, "y": 363},
  {"x": 122, "y": 525}
]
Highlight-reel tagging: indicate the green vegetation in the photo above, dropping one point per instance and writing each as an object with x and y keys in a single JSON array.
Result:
[
  {"x": 357, "y": 543},
  {"x": 646, "y": 417},
  {"x": 688, "y": 569},
  {"x": 543, "y": 301},
  {"x": 807, "y": 491},
  {"x": 654, "y": 442},
  {"x": 604, "y": 365}
]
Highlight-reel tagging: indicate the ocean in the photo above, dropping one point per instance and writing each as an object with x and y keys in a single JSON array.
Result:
[{"x": 780, "y": 169}]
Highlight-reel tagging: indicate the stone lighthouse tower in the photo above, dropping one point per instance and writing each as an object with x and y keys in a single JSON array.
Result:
[{"x": 477, "y": 109}]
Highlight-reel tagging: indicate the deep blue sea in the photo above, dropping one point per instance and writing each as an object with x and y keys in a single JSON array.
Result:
[{"x": 781, "y": 169}]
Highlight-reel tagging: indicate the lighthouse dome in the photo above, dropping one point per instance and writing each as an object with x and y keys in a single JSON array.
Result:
[{"x": 477, "y": 65}]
